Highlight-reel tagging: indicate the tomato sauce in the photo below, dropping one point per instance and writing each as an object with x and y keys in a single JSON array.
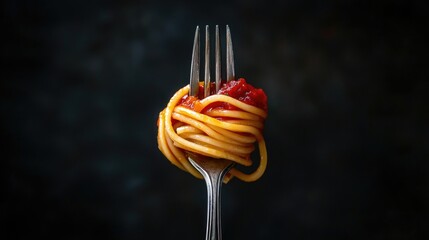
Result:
[
  {"x": 245, "y": 92},
  {"x": 238, "y": 89}
]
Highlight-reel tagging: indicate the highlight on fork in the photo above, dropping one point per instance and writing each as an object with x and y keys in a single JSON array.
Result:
[{"x": 223, "y": 119}]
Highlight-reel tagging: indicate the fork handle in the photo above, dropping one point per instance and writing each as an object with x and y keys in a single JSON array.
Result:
[
  {"x": 214, "y": 226},
  {"x": 213, "y": 171}
]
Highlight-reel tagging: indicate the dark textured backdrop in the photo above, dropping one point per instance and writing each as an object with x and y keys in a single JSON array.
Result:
[{"x": 347, "y": 134}]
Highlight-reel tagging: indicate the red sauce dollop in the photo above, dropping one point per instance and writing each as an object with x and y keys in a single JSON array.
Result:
[
  {"x": 245, "y": 92},
  {"x": 238, "y": 89}
]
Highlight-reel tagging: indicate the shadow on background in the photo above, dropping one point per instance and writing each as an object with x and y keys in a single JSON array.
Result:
[{"x": 347, "y": 131}]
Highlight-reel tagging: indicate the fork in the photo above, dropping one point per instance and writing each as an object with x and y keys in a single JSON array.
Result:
[{"x": 213, "y": 170}]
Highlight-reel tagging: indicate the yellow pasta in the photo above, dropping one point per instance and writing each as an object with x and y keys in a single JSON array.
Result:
[{"x": 217, "y": 133}]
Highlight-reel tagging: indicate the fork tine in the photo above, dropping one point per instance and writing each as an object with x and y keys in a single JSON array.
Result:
[
  {"x": 230, "y": 71},
  {"x": 207, "y": 64},
  {"x": 195, "y": 65},
  {"x": 217, "y": 60}
]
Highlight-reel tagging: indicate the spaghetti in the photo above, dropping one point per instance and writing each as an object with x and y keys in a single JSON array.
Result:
[{"x": 225, "y": 125}]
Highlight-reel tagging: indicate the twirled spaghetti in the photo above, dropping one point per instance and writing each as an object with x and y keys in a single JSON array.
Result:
[{"x": 224, "y": 125}]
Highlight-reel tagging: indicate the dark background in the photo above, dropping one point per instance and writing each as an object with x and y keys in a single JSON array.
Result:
[{"x": 347, "y": 133}]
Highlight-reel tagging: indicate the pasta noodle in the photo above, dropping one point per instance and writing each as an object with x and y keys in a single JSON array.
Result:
[{"x": 212, "y": 131}]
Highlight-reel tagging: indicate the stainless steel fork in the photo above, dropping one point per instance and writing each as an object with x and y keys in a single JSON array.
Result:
[{"x": 213, "y": 170}]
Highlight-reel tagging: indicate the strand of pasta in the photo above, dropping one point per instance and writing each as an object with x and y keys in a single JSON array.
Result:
[{"x": 230, "y": 137}]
